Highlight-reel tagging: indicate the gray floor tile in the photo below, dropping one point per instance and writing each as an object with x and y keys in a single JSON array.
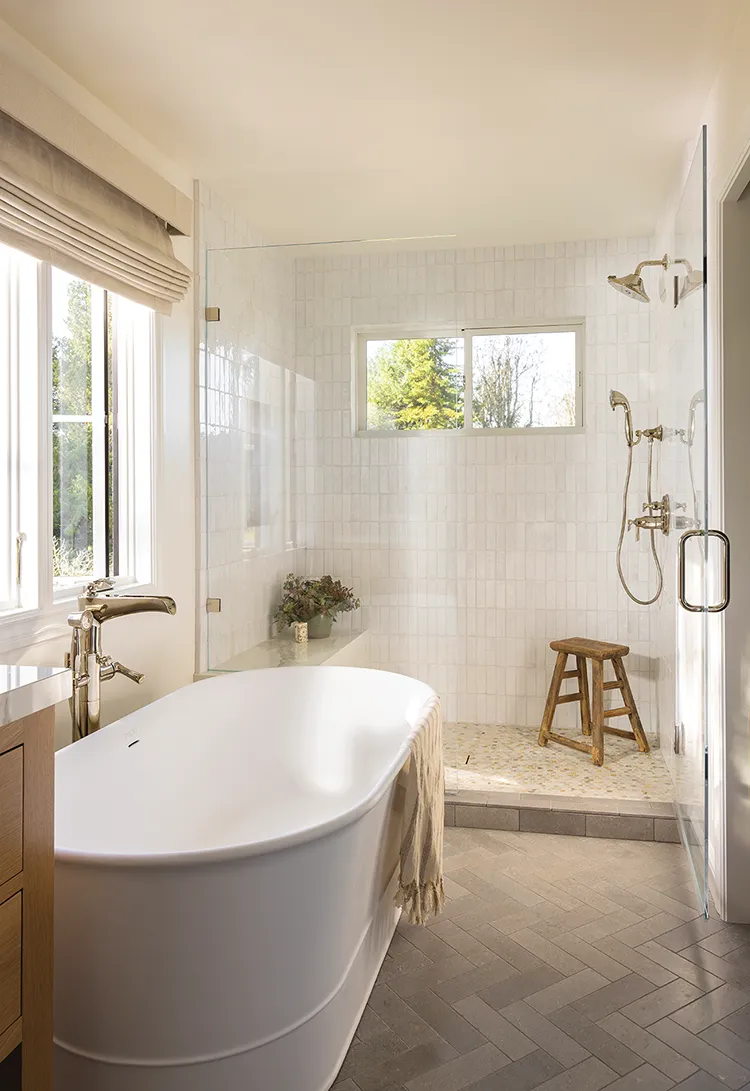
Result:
[
  {"x": 566, "y": 991},
  {"x": 723, "y": 968},
  {"x": 643, "y": 931},
  {"x": 635, "y": 961},
  {"x": 475, "y": 980},
  {"x": 683, "y": 967},
  {"x": 614, "y": 996},
  {"x": 701, "y": 1081},
  {"x": 397, "y": 1014},
  {"x": 589, "y": 1075},
  {"x": 739, "y": 1023},
  {"x": 592, "y": 957},
  {"x": 710, "y": 1008},
  {"x": 610, "y": 924},
  {"x": 429, "y": 976},
  {"x": 548, "y": 951},
  {"x": 463, "y": 942},
  {"x": 398, "y": 1070},
  {"x": 693, "y": 932},
  {"x": 542, "y": 974},
  {"x": 523, "y": 1075},
  {"x": 546, "y": 1035},
  {"x": 644, "y": 1078},
  {"x": 506, "y": 947},
  {"x": 495, "y": 1028},
  {"x": 517, "y": 988},
  {"x": 597, "y": 1041},
  {"x": 653, "y": 1050},
  {"x": 364, "y": 1055},
  {"x": 728, "y": 1042},
  {"x": 661, "y": 1002},
  {"x": 446, "y": 1021},
  {"x": 462, "y": 1071},
  {"x": 705, "y": 1056}
]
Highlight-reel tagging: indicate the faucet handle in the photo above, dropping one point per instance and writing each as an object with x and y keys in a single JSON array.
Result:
[
  {"x": 93, "y": 588},
  {"x": 134, "y": 676}
]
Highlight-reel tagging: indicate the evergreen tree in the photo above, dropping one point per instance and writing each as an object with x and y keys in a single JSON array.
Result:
[{"x": 415, "y": 384}]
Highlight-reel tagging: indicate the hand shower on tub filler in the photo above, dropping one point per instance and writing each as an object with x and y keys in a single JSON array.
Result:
[{"x": 658, "y": 513}]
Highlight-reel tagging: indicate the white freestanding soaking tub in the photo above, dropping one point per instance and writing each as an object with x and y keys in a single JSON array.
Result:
[{"x": 224, "y": 875}]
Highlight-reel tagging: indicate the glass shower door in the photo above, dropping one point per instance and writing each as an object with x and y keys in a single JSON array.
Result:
[{"x": 700, "y": 558}]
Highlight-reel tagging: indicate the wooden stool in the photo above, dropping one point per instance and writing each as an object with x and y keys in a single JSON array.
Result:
[{"x": 593, "y": 714}]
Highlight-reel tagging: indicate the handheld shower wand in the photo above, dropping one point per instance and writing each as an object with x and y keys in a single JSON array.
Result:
[{"x": 618, "y": 400}]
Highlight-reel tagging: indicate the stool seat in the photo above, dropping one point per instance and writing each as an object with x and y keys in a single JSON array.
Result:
[
  {"x": 590, "y": 649},
  {"x": 593, "y": 713}
]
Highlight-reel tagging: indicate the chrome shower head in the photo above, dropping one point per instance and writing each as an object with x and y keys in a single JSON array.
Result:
[
  {"x": 616, "y": 398},
  {"x": 690, "y": 284},
  {"x": 630, "y": 285}
]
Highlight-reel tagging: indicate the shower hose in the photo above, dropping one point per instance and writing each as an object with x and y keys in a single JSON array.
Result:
[{"x": 623, "y": 528}]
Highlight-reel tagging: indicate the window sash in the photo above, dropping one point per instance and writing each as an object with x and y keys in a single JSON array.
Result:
[
  {"x": 26, "y": 422},
  {"x": 362, "y": 335}
]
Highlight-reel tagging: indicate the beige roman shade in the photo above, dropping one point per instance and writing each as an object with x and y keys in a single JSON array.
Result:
[{"x": 57, "y": 210}]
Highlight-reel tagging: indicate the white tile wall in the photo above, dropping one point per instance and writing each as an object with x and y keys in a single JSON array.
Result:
[{"x": 471, "y": 553}]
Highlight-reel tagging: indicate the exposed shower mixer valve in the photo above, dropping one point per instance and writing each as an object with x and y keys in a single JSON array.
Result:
[
  {"x": 659, "y": 521},
  {"x": 658, "y": 517}
]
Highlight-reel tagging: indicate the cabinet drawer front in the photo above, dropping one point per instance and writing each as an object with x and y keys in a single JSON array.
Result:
[
  {"x": 10, "y": 961},
  {"x": 11, "y": 813}
]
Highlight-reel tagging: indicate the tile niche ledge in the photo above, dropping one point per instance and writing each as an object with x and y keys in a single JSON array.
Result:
[{"x": 345, "y": 649}]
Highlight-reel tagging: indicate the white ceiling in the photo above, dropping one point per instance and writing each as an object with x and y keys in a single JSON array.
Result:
[{"x": 502, "y": 121}]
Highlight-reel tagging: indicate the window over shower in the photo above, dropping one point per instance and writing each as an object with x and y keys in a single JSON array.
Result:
[{"x": 502, "y": 379}]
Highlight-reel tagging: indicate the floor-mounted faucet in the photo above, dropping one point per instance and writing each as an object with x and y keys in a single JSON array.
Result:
[{"x": 89, "y": 664}]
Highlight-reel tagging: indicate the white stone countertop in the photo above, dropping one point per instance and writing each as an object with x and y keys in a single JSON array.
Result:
[{"x": 25, "y": 690}]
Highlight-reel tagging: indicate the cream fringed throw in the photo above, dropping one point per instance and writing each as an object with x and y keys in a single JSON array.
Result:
[{"x": 420, "y": 892}]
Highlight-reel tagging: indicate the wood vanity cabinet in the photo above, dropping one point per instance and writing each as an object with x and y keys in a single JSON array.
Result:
[{"x": 26, "y": 902}]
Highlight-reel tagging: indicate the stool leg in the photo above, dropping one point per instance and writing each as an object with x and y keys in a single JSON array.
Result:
[
  {"x": 597, "y": 711},
  {"x": 627, "y": 693},
  {"x": 583, "y": 686},
  {"x": 554, "y": 693}
]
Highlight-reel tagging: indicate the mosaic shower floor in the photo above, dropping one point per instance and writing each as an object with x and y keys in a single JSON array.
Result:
[{"x": 495, "y": 758}]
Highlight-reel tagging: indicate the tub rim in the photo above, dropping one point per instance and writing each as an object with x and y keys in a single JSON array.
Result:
[{"x": 208, "y": 856}]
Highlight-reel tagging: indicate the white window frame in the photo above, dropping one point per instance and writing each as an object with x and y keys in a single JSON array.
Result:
[
  {"x": 362, "y": 334},
  {"x": 41, "y": 607}
]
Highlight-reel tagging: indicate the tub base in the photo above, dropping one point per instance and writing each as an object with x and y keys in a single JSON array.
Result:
[{"x": 306, "y": 1058}]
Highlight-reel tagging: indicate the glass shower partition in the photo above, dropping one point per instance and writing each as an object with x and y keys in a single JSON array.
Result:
[
  {"x": 289, "y": 329},
  {"x": 695, "y": 586}
]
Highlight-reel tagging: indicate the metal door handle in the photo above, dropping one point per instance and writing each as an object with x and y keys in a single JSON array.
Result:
[{"x": 682, "y": 575}]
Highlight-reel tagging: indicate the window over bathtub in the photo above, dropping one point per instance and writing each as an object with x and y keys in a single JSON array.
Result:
[
  {"x": 507, "y": 379},
  {"x": 76, "y": 444}
]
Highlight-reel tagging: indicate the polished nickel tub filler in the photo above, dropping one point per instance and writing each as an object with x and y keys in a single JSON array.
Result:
[{"x": 225, "y": 874}]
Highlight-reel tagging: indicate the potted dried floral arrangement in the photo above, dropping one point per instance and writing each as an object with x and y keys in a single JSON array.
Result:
[{"x": 311, "y": 606}]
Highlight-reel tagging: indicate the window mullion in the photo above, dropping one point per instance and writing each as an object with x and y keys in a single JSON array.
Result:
[
  {"x": 99, "y": 425},
  {"x": 45, "y": 470},
  {"x": 468, "y": 382}
]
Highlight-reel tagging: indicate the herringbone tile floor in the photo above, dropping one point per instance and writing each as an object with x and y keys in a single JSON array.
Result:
[{"x": 562, "y": 964}]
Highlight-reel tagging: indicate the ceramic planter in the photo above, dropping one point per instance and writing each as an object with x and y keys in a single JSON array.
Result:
[{"x": 319, "y": 627}]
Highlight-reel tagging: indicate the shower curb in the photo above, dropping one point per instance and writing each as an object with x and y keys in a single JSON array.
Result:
[{"x": 623, "y": 819}]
